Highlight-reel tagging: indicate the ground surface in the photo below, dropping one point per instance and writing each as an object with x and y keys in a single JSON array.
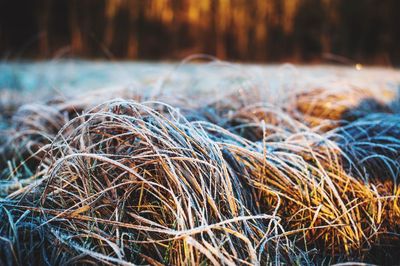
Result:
[{"x": 198, "y": 163}]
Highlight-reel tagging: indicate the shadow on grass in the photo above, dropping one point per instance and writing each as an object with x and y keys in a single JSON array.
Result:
[{"x": 370, "y": 141}]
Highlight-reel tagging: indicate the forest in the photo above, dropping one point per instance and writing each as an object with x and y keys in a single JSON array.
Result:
[{"x": 333, "y": 31}]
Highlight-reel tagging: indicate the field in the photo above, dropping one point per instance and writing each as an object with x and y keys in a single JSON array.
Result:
[{"x": 191, "y": 163}]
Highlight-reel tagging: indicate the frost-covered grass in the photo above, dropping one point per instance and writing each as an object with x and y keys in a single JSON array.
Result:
[{"x": 213, "y": 163}]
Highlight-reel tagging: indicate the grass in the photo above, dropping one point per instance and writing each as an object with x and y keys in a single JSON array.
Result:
[{"x": 312, "y": 180}]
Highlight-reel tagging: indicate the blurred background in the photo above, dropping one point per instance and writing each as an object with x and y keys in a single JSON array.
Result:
[{"x": 300, "y": 31}]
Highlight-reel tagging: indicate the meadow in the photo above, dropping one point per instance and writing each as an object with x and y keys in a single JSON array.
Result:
[{"x": 190, "y": 163}]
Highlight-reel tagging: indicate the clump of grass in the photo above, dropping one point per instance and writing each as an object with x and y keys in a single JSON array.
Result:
[
  {"x": 317, "y": 106},
  {"x": 371, "y": 145},
  {"x": 142, "y": 182},
  {"x": 145, "y": 186},
  {"x": 301, "y": 178},
  {"x": 32, "y": 127}
]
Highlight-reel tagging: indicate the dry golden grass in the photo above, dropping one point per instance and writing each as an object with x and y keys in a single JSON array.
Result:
[{"x": 142, "y": 182}]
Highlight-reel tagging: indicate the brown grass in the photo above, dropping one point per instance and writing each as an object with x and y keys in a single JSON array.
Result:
[{"x": 141, "y": 182}]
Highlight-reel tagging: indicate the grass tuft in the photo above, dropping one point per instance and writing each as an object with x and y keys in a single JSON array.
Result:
[{"x": 138, "y": 181}]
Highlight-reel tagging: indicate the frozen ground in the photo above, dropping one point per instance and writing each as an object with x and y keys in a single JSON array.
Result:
[
  {"x": 38, "y": 80},
  {"x": 312, "y": 151},
  {"x": 189, "y": 83}
]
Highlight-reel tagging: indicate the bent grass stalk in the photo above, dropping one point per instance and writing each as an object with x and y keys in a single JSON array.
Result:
[{"x": 133, "y": 182}]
